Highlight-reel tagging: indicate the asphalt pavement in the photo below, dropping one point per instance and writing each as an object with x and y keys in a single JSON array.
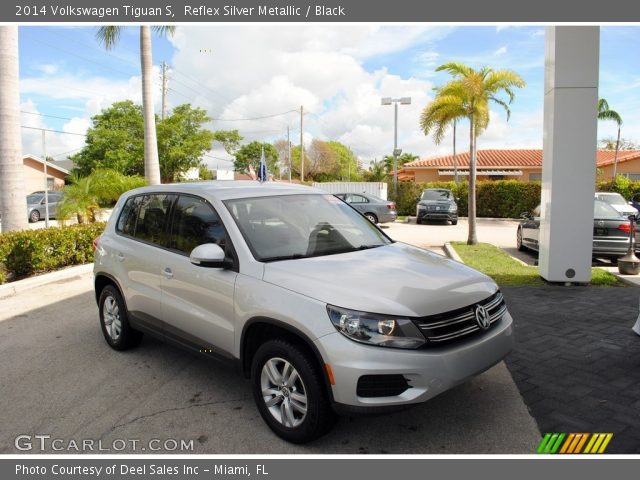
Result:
[{"x": 59, "y": 378}]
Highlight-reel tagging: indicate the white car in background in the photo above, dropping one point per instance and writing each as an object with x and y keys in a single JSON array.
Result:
[{"x": 618, "y": 202}]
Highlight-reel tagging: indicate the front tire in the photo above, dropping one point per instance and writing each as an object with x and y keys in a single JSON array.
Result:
[
  {"x": 454, "y": 222},
  {"x": 519, "y": 244},
  {"x": 290, "y": 393},
  {"x": 371, "y": 217},
  {"x": 34, "y": 216},
  {"x": 114, "y": 320}
]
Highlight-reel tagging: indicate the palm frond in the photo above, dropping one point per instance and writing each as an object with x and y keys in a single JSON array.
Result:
[
  {"x": 456, "y": 69},
  {"x": 164, "y": 30},
  {"x": 109, "y": 36}
]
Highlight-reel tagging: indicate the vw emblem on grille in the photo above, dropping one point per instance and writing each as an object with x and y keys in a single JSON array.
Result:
[
  {"x": 482, "y": 317},
  {"x": 601, "y": 223}
]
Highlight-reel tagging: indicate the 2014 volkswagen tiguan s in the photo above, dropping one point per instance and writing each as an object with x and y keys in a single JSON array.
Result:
[{"x": 313, "y": 303}]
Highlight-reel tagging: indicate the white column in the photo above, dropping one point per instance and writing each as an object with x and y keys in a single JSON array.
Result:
[{"x": 568, "y": 166}]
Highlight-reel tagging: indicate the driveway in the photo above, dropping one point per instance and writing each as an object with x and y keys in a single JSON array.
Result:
[
  {"x": 499, "y": 232},
  {"x": 58, "y": 377}
]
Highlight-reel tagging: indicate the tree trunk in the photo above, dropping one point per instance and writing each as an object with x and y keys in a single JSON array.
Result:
[
  {"x": 151, "y": 162},
  {"x": 472, "y": 239},
  {"x": 615, "y": 158},
  {"x": 13, "y": 200}
]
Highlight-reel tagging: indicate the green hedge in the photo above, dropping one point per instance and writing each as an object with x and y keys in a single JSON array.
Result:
[
  {"x": 28, "y": 252},
  {"x": 495, "y": 198}
]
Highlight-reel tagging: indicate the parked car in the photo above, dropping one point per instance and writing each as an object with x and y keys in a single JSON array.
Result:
[
  {"x": 618, "y": 202},
  {"x": 321, "y": 310},
  {"x": 610, "y": 231},
  {"x": 36, "y": 207},
  {"x": 437, "y": 204},
  {"x": 635, "y": 201},
  {"x": 374, "y": 208}
]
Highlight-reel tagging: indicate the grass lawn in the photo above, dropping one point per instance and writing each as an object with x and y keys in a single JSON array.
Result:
[{"x": 500, "y": 266}]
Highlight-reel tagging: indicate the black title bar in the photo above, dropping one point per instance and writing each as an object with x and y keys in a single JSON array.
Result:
[{"x": 226, "y": 11}]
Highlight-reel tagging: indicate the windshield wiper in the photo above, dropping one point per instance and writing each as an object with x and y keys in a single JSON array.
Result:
[
  {"x": 367, "y": 247},
  {"x": 295, "y": 256}
]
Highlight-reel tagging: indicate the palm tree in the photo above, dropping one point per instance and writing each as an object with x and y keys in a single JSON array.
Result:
[
  {"x": 13, "y": 200},
  {"x": 468, "y": 96},
  {"x": 605, "y": 113},
  {"x": 109, "y": 36}
]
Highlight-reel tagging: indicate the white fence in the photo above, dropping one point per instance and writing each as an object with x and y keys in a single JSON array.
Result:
[{"x": 379, "y": 189}]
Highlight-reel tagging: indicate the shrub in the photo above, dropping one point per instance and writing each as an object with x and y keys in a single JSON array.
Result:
[
  {"x": 495, "y": 198},
  {"x": 28, "y": 252}
]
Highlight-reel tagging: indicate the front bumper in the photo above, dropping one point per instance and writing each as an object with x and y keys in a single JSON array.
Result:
[
  {"x": 429, "y": 372},
  {"x": 436, "y": 215}
]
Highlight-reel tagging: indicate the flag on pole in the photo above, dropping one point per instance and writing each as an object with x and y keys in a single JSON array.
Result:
[{"x": 262, "y": 169}]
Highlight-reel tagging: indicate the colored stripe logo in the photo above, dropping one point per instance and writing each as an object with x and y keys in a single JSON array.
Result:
[{"x": 563, "y": 443}]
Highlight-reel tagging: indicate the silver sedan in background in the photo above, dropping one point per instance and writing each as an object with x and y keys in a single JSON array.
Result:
[{"x": 374, "y": 208}]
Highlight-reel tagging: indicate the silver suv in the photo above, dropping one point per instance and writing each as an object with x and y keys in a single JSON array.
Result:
[{"x": 311, "y": 301}]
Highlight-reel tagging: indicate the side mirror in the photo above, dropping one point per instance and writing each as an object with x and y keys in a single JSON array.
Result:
[
  {"x": 208, "y": 255},
  {"x": 525, "y": 215}
]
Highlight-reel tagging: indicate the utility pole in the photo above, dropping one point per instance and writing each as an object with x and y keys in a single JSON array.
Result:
[
  {"x": 46, "y": 180},
  {"x": 289, "y": 152},
  {"x": 165, "y": 81},
  {"x": 301, "y": 143}
]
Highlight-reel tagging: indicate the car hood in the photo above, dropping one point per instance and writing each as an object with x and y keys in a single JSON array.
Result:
[{"x": 396, "y": 279}]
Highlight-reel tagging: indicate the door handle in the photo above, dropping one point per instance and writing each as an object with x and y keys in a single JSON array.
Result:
[
  {"x": 167, "y": 273},
  {"x": 120, "y": 256}
]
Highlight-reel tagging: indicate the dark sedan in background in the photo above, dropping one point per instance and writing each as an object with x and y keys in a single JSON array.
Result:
[
  {"x": 610, "y": 231},
  {"x": 437, "y": 204},
  {"x": 374, "y": 208}
]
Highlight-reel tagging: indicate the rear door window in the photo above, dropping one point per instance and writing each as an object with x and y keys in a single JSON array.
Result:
[{"x": 152, "y": 225}]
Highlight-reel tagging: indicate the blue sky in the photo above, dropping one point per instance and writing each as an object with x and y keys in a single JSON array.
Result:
[{"x": 337, "y": 72}]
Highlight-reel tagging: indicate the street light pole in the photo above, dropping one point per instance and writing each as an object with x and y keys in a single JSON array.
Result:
[
  {"x": 46, "y": 180},
  {"x": 396, "y": 150}
]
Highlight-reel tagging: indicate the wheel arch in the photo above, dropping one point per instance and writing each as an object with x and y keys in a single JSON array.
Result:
[{"x": 259, "y": 329}]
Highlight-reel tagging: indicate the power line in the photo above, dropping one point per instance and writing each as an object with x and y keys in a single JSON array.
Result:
[
  {"x": 54, "y": 131},
  {"x": 45, "y": 115},
  {"x": 254, "y": 118}
]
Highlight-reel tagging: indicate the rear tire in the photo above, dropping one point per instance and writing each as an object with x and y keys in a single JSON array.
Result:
[
  {"x": 114, "y": 320},
  {"x": 454, "y": 222},
  {"x": 34, "y": 216},
  {"x": 371, "y": 217},
  {"x": 289, "y": 391}
]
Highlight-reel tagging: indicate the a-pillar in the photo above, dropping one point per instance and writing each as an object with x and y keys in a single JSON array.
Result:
[{"x": 568, "y": 166}]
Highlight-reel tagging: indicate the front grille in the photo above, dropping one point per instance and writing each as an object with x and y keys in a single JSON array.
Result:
[
  {"x": 381, "y": 385},
  {"x": 449, "y": 326}
]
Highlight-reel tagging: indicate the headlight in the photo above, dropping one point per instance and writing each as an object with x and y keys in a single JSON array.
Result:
[
  {"x": 374, "y": 329},
  {"x": 453, "y": 208},
  {"x": 421, "y": 207}
]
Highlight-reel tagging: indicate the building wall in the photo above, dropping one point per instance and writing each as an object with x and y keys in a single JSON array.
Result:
[
  {"x": 631, "y": 168},
  {"x": 431, "y": 175},
  {"x": 34, "y": 176}
]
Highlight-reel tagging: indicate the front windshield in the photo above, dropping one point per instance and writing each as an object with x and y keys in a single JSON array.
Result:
[
  {"x": 33, "y": 199},
  {"x": 613, "y": 199},
  {"x": 436, "y": 195},
  {"x": 287, "y": 227}
]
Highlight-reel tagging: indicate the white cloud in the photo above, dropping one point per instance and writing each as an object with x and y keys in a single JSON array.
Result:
[
  {"x": 261, "y": 70},
  {"x": 500, "y": 51}
]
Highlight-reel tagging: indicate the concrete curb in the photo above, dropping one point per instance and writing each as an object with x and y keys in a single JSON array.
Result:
[
  {"x": 451, "y": 252},
  {"x": 10, "y": 289}
]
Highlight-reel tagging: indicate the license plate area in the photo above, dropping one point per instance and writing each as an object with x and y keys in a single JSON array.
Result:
[{"x": 600, "y": 232}]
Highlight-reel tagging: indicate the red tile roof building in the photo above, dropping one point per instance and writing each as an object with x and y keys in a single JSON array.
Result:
[{"x": 518, "y": 164}]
